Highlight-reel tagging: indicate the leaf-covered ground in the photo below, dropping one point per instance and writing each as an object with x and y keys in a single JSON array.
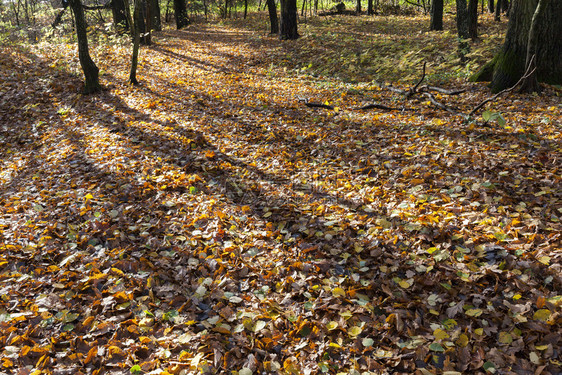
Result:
[{"x": 208, "y": 222}]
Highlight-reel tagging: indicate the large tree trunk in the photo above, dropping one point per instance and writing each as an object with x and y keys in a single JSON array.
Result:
[
  {"x": 508, "y": 65},
  {"x": 91, "y": 71},
  {"x": 473, "y": 18},
  {"x": 289, "y": 20},
  {"x": 273, "y": 16},
  {"x": 180, "y": 10},
  {"x": 436, "y": 12},
  {"x": 491, "y": 6}
]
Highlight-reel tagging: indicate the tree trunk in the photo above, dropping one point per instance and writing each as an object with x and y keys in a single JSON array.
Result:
[
  {"x": 507, "y": 67},
  {"x": 436, "y": 12},
  {"x": 245, "y": 8},
  {"x": 137, "y": 17},
  {"x": 462, "y": 19},
  {"x": 180, "y": 10},
  {"x": 289, "y": 20},
  {"x": 491, "y": 6},
  {"x": 91, "y": 71},
  {"x": 155, "y": 21},
  {"x": 462, "y": 29},
  {"x": 358, "y": 7},
  {"x": 498, "y": 10},
  {"x": 119, "y": 16},
  {"x": 273, "y": 16},
  {"x": 473, "y": 18},
  {"x": 370, "y": 9},
  {"x": 142, "y": 22}
]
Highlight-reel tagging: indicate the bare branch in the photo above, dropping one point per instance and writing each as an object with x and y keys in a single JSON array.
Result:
[{"x": 492, "y": 98}]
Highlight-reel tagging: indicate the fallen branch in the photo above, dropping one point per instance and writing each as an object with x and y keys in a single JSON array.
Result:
[
  {"x": 318, "y": 105},
  {"x": 492, "y": 98},
  {"x": 440, "y": 105},
  {"x": 414, "y": 89},
  {"x": 442, "y": 90},
  {"x": 377, "y": 106},
  {"x": 314, "y": 105}
]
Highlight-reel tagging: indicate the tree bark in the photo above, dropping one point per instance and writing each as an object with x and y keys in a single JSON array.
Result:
[
  {"x": 491, "y": 6},
  {"x": 289, "y": 20},
  {"x": 508, "y": 66},
  {"x": 473, "y": 19},
  {"x": 91, "y": 71},
  {"x": 358, "y": 7},
  {"x": 137, "y": 17},
  {"x": 436, "y": 12},
  {"x": 155, "y": 15},
  {"x": 274, "y": 22},
  {"x": 370, "y": 8},
  {"x": 180, "y": 10},
  {"x": 119, "y": 16},
  {"x": 498, "y": 10},
  {"x": 462, "y": 29}
]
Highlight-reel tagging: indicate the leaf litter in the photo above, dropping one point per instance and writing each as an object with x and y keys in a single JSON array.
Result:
[{"x": 207, "y": 222}]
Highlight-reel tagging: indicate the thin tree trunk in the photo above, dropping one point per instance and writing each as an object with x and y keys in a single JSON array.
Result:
[
  {"x": 358, "y": 7},
  {"x": 463, "y": 29},
  {"x": 155, "y": 21},
  {"x": 498, "y": 10},
  {"x": 91, "y": 71},
  {"x": 147, "y": 14},
  {"x": 180, "y": 10},
  {"x": 119, "y": 16},
  {"x": 273, "y": 16},
  {"x": 473, "y": 18},
  {"x": 245, "y": 8},
  {"x": 137, "y": 16},
  {"x": 289, "y": 20},
  {"x": 531, "y": 84},
  {"x": 491, "y": 6},
  {"x": 436, "y": 12},
  {"x": 370, "y": 10}
]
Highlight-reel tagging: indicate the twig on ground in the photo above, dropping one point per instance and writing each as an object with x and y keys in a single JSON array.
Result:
[{"x": 492, "y": 98}]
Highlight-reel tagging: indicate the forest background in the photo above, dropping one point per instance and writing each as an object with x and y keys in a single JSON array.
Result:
[{"x": 332, "y": 204}]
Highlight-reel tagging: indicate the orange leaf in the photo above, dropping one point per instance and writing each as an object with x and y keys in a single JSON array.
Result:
[{"x": 91, "y": 354}]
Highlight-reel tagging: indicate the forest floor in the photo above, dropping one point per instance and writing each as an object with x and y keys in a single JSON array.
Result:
[{"x": 208, "y": 221}]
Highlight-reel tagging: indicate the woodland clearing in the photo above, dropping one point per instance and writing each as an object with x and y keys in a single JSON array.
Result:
[{"x": 206, "y": 221}]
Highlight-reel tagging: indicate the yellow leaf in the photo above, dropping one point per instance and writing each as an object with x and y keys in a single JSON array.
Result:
[
  {"x": 354, "y": 331},
  {"x": 440, "y": 334},
  {"x": 462, "y": 341},
  {"x": 505, "y": 338},
  {"x": 338, "y": 292},
  {"x": 479, "y": 331},
  {"x": 405, "y": 284},
  {"x": 542, "y": 315},
  {"x": 332, "y": 325},
  {"x": 474, "y": 312},
  {"x": 89, "y": 196}
]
